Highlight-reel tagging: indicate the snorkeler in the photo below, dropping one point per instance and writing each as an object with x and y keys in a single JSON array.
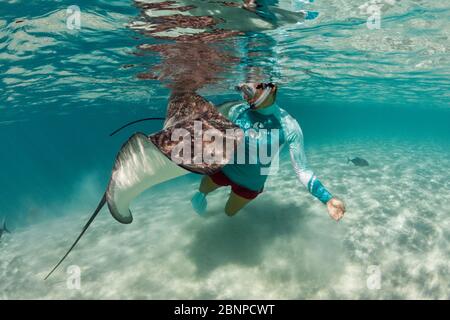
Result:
[{"x": 246, "y": 179}]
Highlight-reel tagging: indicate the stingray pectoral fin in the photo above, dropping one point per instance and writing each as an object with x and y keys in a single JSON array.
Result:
[{"x": 138, "y": 166}]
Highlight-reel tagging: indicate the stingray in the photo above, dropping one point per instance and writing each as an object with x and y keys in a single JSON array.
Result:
[
  {"x": 359, "y": 162},
  {"x": 145, "y": 160}
]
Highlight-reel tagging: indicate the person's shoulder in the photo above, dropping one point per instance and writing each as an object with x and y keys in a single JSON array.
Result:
[
  {"x": 287, "y": 118},
  {"x": 284, "y": 114},
  {"x": 291, "y": 126}
]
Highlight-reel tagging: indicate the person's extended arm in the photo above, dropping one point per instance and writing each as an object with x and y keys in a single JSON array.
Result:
[{"x": 294, "y": 138}]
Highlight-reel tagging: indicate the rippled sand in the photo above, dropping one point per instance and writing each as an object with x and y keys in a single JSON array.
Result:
[{"x": 282, "y": 246}]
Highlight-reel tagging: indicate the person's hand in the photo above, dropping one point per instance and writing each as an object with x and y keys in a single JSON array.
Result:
[{"x": 336, "y": 208}]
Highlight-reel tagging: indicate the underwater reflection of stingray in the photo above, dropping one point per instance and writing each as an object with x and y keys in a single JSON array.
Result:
[
  {"x": 210, "y": 38},
  {"x": 185, "y": 18},
  {"x": 195, "y": 54}
]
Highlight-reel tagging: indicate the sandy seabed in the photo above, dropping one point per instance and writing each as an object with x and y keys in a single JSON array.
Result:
[{"x": 281, "y": 246}]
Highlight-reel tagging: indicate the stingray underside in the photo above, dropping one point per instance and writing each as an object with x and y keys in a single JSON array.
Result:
[{"x": 139, "y": 165}]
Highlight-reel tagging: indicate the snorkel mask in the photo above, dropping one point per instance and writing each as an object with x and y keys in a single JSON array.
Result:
[{"x": 249, "y": 91}]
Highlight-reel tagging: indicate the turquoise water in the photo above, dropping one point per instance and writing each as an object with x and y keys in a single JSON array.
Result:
[{"x": 381, "y": 94}]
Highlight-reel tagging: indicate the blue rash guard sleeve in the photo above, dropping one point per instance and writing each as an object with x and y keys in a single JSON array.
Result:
[{"x": 294, "y": 138}]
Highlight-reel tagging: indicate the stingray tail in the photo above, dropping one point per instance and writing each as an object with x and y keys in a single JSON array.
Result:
[
  {"x": 348, "y": 160},
  {"x": 86, "y": 226}
]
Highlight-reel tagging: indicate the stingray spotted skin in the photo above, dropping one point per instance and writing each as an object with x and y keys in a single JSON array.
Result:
[
  {"x": 183, "y": 111},
  {"x": 185, "y": 106}
]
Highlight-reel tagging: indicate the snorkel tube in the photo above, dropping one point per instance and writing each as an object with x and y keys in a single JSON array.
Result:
[{"x": 263, "y": 97}]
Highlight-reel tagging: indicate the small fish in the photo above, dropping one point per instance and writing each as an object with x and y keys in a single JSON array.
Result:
[
  {"x": 359, "y": 162},
  {"x": 3, "y": 229}
]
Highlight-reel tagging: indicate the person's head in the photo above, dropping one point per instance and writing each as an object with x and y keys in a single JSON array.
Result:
[{"x": 258, "y": 95}]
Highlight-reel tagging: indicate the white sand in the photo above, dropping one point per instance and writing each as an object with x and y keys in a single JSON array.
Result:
[{"x": 283, "y": 245}]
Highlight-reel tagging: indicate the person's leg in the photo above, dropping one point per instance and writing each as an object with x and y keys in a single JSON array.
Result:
[
  {"x": 235, "y": 203},
  {"x": 207, "y": 185}
]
